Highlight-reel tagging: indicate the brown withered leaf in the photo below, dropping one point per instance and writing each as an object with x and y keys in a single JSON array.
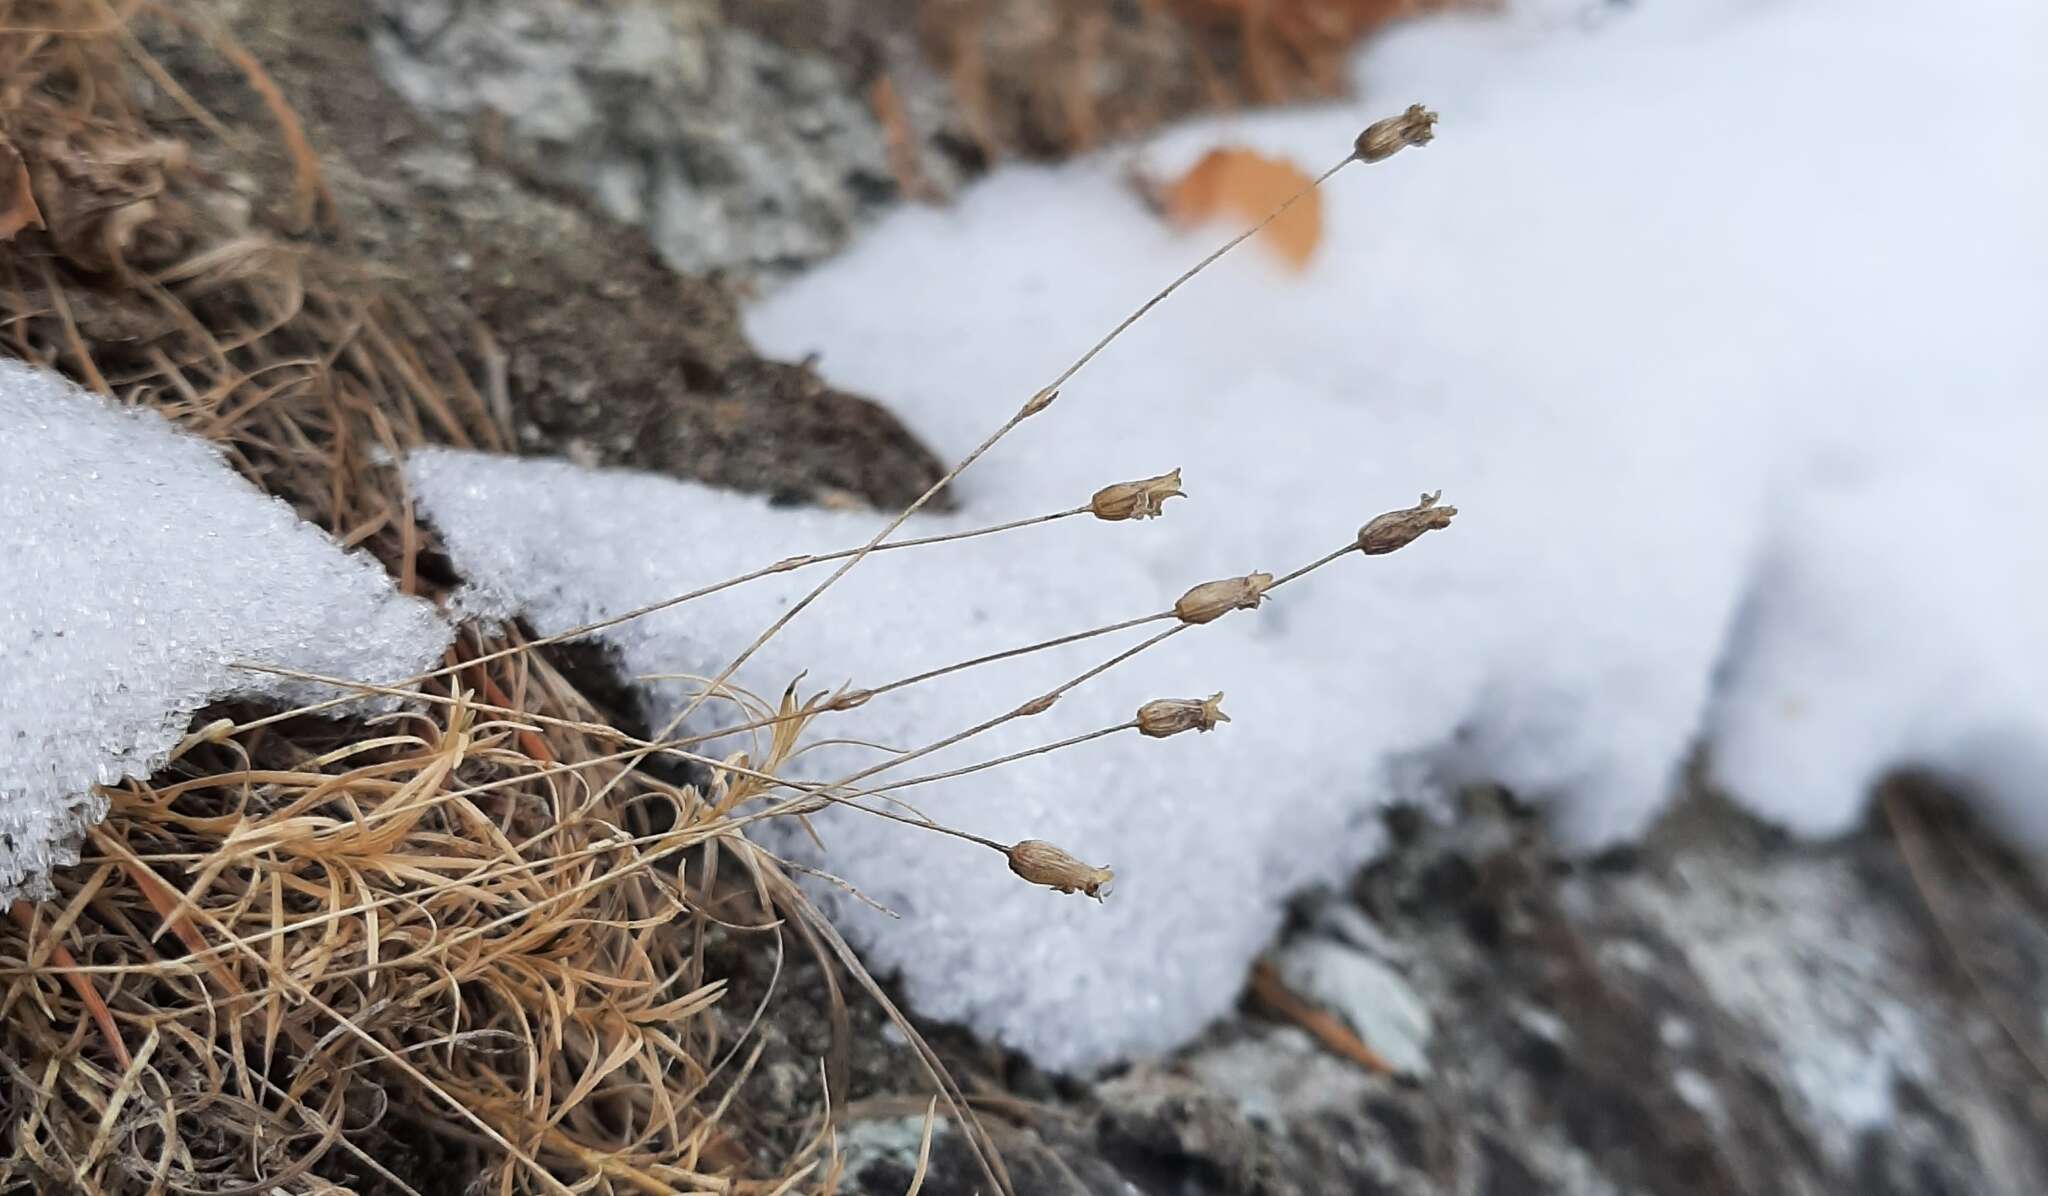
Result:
[
  {"x": 18, "y": 208},
  {"x": 1242, "y": 186}
]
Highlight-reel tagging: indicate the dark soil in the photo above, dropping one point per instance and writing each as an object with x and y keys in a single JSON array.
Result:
[{"x": 605, "y": 355}]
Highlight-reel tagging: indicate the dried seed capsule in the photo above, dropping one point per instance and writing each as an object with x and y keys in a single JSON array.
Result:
[
  {"x": 1385, "y": 138},
  {"x": 1171, "y": 716},
  {"x": 1141, "y": 499},
  {"x": 1396, "y": 529},
  {"x": 1043, "y": 864},
  {"x": 850, "y": 699},
  {"x": 1213, "y": 599}
]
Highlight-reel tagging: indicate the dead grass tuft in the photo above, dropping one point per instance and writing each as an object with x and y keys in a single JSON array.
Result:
[
  {"x": 335, "y": 944},
  {"x": 455, "y": 946},
  {"x": 151, "y": 274}
]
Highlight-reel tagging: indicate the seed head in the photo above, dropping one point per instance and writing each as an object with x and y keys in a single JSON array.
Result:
[
  {"x": 1213, "y": 599},
  {"x": 1043, "y": 864},
  {"x": 1141, "y": 499},
  {"x": 1171, "y": 716},
  {"x": 1396, "y": 529},
  {"x": 1385, "y": 138}
]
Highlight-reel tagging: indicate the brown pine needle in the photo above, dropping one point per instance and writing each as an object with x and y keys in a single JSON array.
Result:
[{"x": 1268, "y": 989}]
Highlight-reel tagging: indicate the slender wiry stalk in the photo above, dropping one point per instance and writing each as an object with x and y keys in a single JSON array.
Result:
[
  {"x": 1312, "y": 566},
  {"x": 862, "y": 695},
  {"x": 844, "y": 701},
  {"x": 1193, "y": 270},
  {"x": 999, "y": 761},
  {"x": 785, "y": 565}
]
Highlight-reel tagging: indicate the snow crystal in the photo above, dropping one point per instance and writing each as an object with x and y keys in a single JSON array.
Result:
[
  {"x": 139, "y": 569},
  {"x": 1715, "y": 328}
]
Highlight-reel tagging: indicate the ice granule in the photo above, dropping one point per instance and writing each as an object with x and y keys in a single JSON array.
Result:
[{"x": 138, "y": 568}]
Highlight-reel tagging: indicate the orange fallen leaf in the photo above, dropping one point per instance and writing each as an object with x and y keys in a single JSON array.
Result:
[
  {"x": 17, "y": 203},
  {"x": 1242, "y": 186}
]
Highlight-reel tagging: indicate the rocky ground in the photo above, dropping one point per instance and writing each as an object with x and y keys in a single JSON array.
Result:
[{"x": 1718, "y": 1011}]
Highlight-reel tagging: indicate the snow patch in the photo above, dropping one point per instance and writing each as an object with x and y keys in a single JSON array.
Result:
[{"x": 139, "y": 569}]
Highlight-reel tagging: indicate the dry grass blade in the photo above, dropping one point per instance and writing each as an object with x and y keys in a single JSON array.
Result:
[{"x": 924, "y": 1150}]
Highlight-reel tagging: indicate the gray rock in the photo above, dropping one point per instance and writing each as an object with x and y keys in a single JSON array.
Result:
[
  {"x": 1280, "y": 1077},
  {"x": 734, "y": 150},
  {"x": 886, "y": 1145},
  {"x": 1155, "y": 1114}
]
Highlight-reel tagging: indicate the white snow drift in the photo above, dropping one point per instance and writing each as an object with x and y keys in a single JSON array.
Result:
[
  {"x": 137, "y": 569},
  {"x": 1716, "y": 320}
]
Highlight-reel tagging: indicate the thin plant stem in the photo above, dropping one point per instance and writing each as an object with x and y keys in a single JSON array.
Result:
[
  {"x": 785, "y": 565},
  {"x": 999, "y": 761},
  {"x": 842, "y": 702},
  {"x": 1040, "y": 646}
]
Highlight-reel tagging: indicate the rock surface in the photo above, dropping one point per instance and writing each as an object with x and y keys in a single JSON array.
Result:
[
  {"x": 1722, "y": 1011},
  {"x": 730, "y": 149}
]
